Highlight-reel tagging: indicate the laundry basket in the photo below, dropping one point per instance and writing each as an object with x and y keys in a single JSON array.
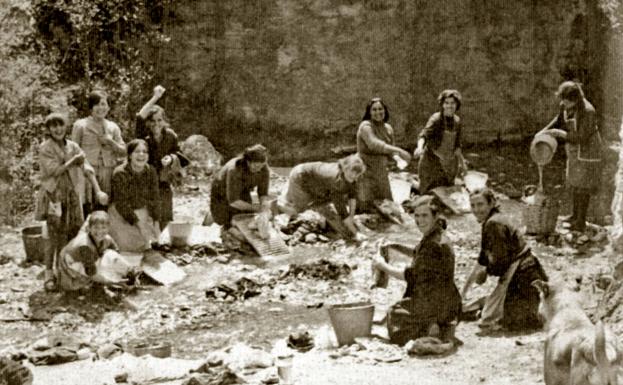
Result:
[{"x": 541, "y": 218}]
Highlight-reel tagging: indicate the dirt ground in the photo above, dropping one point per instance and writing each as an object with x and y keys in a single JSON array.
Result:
[{"x": 197, "y": 325}]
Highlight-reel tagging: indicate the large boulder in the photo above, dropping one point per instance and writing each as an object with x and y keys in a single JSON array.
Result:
[{"x": 205, "y": 160}]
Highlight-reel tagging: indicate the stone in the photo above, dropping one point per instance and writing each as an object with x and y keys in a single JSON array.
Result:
[{"x": 205, "y": 160}]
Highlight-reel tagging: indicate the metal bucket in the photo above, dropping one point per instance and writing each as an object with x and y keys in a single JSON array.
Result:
[
  {"x": 401, "y": 190},
  {"x": 351, "y": 320},
  {"x": 179, "y": 231},
  {"x": 542, "y": 149},
  {"x": 34, "y": 243}
]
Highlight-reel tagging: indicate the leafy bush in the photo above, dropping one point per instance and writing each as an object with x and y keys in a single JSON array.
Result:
[{"x": 52, "y": 54}]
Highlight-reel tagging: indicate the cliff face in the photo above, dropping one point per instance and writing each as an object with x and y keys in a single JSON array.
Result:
[{"x": 290, "y": 66}]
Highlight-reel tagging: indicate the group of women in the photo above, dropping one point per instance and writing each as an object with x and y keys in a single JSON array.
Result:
[
  {"x": 84, "y": 174},
  {"x": 125, "y": 187},
  {"x": 432, "y": 304}
]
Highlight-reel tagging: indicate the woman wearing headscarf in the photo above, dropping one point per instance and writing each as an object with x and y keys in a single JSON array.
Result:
[
  {"x": 584, "y": 149},
  {"x": 63, "y": 169},
  {"x": 439, "y": 145},
  {"x": 375, "y": 145}
]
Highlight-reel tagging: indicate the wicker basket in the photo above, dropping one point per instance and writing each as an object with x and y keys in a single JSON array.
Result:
[{"x": 541, "y": 219}]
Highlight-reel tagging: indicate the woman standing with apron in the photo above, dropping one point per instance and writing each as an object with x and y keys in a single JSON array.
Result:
[{"x": 583, "y": 147}]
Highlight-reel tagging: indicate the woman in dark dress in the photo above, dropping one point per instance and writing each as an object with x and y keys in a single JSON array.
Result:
[
  {"x": 135, "y": 201},
  {"x": 584, "y": 149},
  {"x": 431, "y": 304},
  {"x": 439, "y": 145},
  {"x": 231, "y": 188},
  {"x": 504, "y": 253},
  {"x": 164, "y": 151}
]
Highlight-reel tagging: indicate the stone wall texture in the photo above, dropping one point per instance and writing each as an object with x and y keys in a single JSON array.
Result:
[{"x": 310, "y": 66}]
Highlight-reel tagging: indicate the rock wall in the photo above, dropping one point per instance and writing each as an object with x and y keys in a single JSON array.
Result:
[{"x": 240, "y": 70}]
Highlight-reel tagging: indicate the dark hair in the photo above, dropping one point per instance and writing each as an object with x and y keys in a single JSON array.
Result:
[
  {"x": 95, "y": 97},
  {"x": 367, "y": 115},
  {"x": 255, "y": 153},
  {"x": 487, "y": 193},
  {"x": 153, "y": 110},
  {"x": 431, "y": 202},
  {"x": 55, "y": 119},
  {"x": 445, "y": 94},
  {"x": 133, "y": 144},
  {"x": 570, "y": 91}
]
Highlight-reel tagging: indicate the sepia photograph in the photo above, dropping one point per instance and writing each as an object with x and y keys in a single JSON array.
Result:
[{"x": 311, "y": 192}]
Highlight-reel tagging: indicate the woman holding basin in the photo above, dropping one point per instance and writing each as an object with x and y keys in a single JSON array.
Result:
[
  {"x": 431, "y": 303},
  {"x": 576, "y": 119},
  {"x": 439, "y": 145}
]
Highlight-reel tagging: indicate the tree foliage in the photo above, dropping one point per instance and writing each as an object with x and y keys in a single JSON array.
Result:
[{"x": 52, "y": 54}]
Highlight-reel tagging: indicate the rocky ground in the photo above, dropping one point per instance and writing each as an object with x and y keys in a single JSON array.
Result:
[{"x": 281, "y": 300}]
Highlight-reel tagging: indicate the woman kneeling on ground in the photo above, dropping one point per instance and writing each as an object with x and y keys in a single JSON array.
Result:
[
  {"x": 77, "y": 262},
  {"x": 315, "y": 185},
  {"x": 514, "y": 302},
  {"x": 135, "y": 201},
  {"x": 431, "y": 304},
  {"x": 232, "y": 186}
]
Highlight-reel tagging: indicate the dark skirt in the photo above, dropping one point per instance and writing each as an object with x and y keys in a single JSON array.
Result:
[
  {"x": 581, "y": 173},
  {"x": 166, "y": 204},
  {"x": 410, "y": 319},
  {"x": 432, "y": 174},
  {"x": 522, "y": 299},
  {"x": 221, "y": 211}
]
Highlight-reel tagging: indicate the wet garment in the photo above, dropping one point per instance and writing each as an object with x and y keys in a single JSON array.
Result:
[
  {"x": 77, "y": 262},
  {"x": 319, "y": 183},
  {"x": 439, "y": 164},
  {"x": 583, "y": 147},
  {"x": 65, "y": 193},
  {"x": 234, "y": 181},
  {"x": 167, "y": 145},
  {"x": 503, "y": 248},
  {"x": 86, "y": 133},
  {"x": 374, "y": 147},
  {"x": 431, "y": 295}
]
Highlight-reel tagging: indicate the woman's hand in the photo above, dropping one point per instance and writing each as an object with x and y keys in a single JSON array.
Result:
[
  {"x": 76, "y": 160},
  {"x": 106, "y": 140},
  {"x": 166, "y": 160},
  {"x": 159, "y": 91},
  {"x": 102, "y": 198},
  {"x": 419, "y": 151},
  {"x": 403, "y": 154}
]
